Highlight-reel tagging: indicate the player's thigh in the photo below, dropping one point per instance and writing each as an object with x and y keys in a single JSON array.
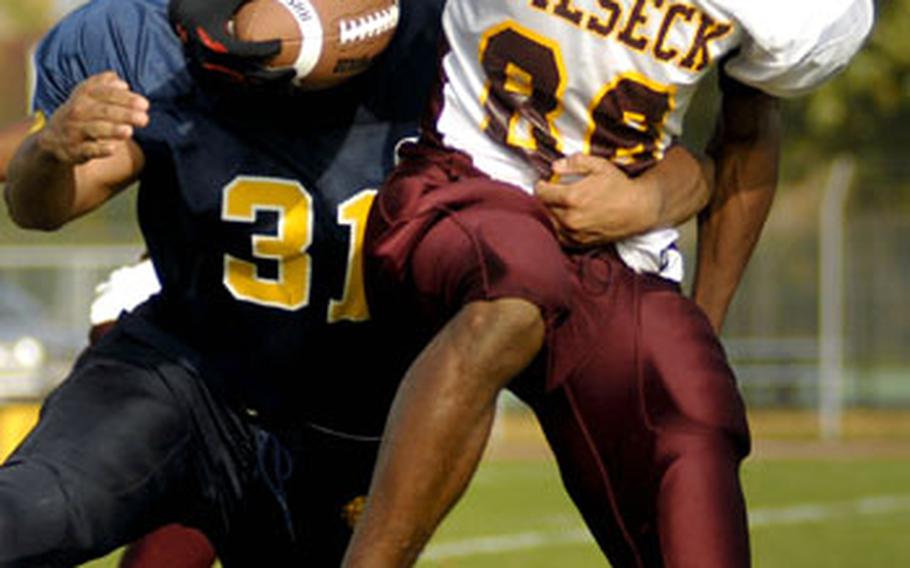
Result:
[
  {"x": 631, "y": 419},
  {"x": 111, "y": 419},
  {"x": 590, "y": 409},
  {"x": 687, "y": 381},
  {"x": 701, "y": 436},
  {"x": 441, "y": 235},
  {"x": 489, "y": 253}
]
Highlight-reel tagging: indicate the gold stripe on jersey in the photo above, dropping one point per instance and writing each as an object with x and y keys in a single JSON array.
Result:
[
  {"x": 39, "y": 121},
  {"x": 628, "y": 26}
]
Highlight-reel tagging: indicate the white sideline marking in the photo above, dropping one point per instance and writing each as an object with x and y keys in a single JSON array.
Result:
[
  {"x": 806, "y": 513},
  {"x": 504, "y": 543}
]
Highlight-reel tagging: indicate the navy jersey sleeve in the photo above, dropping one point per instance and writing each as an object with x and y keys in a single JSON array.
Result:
[{"x": 131, "y": 37}]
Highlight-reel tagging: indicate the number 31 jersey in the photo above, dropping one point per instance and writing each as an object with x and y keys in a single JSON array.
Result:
[
  {"x": 253, "y": 208},
  {"x": 528, "y": 81}
]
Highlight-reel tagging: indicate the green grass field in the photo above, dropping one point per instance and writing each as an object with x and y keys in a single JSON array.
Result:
[
  {"x": 810, "y": 504},
  {"x": 805, "y": 513}
]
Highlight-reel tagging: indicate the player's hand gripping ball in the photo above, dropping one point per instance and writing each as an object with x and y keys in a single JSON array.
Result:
[{"x": 324, "y": 41}]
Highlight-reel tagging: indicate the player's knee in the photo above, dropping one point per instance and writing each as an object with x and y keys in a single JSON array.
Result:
[
  {"x": 33, "y": 514},
  {"x": 500, "y": 338},
  {"x": 706, "y": 448},
  {"x": 688, "y": 365},
  {"x": 512, "y": 318}
]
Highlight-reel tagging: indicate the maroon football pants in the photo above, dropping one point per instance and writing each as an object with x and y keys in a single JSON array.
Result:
[
  {"x": 632, "y": 389},
  {"x": 648, "y": 428}
]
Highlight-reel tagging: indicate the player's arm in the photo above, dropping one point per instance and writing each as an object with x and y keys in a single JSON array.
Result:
[
  {"x": 11, "y": 136},
  {"x": 81, "y": 158},
  {"x": 606, "y": 205},
  {"x": 746, "y": 149},
  {"x": 783, "y": 59}
]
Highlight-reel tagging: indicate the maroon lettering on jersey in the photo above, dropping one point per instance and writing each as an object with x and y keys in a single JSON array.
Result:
[
  {"x": 636, "y": 18},
  {"x": 673, "y": 12},
  {"x": 564, "y": 9},
  {"x": 709, "y": 30},
  {"x": 598, "y": 26}
]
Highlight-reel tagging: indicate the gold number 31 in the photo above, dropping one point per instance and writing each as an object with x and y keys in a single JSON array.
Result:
[{"x": 293, "y": 205}]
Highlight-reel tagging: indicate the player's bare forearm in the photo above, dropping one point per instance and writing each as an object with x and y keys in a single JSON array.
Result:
[
  {"x": 606, "y": 205},
  {"x": 439, "y": 426},
  {"x": 746, "y": 149},
  {"x": 45, "y": 193},
  {"x": 41, "y": 190},
  {"x": 83, "y": 156},
  {"x": 681, "y": 185}
]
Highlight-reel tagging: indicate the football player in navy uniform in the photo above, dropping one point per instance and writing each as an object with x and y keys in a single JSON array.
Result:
[
  {"x": 197, "y": 407},
  {"x": 126, "y": 287}
]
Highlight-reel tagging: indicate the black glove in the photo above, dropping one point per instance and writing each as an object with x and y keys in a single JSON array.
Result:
[{"x": 202, "y": 26}]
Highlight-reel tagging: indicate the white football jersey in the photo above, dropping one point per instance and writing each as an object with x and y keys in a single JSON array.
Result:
[{"x": 528, "y": 81}]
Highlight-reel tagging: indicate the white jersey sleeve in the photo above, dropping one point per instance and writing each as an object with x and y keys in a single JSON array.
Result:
[{"x": 792, "y": 46}]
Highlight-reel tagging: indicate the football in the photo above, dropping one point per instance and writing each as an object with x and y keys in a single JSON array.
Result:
[{"x": 324, "y": 41}]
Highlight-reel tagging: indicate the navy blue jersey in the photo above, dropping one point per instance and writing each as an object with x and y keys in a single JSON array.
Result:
[
  {"x": 253, "y": 205},
  {"x": 130, "y": 37}
]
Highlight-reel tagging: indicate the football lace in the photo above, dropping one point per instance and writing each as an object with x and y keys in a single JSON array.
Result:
[{"x": 370, "y": 25}]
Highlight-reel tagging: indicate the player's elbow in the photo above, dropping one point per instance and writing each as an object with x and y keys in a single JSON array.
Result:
[
  {"x": 25, "y": 217},
  {"x": 499, "y": 336},
  {"x": 41, "y": 225},
  {"x": 37, "y": 223}
]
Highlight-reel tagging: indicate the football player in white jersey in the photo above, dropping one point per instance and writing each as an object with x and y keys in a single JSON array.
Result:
[{"x": 625, "y": 375}]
